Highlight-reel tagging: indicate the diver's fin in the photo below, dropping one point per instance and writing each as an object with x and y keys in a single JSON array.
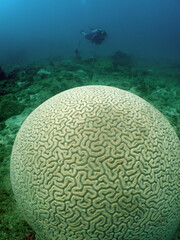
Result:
[{"x": 83, "y": 33}]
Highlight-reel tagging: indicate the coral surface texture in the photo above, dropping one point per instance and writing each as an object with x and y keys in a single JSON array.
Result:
[{"x": 96, "y": 163}]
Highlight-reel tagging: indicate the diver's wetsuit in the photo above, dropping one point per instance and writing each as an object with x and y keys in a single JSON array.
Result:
[{"x": 96, "y": 36}]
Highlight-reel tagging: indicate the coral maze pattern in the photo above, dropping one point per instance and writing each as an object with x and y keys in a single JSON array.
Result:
[{"x": 94, "y": 163}]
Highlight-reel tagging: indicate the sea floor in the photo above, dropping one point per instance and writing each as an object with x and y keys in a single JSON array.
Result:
[{"x": 26, "y": 87}]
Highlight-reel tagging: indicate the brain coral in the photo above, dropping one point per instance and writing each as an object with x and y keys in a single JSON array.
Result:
[{"x": 97, "y": 162}]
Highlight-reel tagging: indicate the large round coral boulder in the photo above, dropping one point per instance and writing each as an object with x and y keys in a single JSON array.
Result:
[{"x": 96, "y": 163}]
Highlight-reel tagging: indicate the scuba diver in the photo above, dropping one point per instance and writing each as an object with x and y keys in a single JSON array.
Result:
[{"x": 96, "y": 36}]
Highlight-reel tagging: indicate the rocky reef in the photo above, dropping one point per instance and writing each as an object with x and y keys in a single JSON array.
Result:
[{"x": 23, "y": 88}]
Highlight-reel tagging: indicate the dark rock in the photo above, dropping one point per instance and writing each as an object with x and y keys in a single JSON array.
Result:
[
  {"x": 2, "y": 126},
  {"x": 13, "y": 74},
  {"x": 9, "y": 108},
  {"x": 2, "y": 74},
  {"x": 121, "y": 59},
  {"x": 2, "y": 152}
]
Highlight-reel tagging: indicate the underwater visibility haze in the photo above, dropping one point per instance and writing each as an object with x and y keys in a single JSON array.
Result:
[
  {"x": 36, "y": 29},
  {"x": 111, "y": 153}
]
